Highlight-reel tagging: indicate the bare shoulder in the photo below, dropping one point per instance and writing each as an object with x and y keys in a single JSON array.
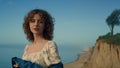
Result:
[{"x": 52, "y": 44}]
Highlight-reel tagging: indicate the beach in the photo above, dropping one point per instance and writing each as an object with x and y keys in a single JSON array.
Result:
[{"x": 80, "y": 60}]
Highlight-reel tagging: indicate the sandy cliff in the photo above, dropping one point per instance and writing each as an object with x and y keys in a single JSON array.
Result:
[
  {"x": 82, "y": 58},
  {"x": 103, "y": 55}
]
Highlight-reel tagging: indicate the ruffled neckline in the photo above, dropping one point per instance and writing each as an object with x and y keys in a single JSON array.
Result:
[{"x": 37, "y": 52}]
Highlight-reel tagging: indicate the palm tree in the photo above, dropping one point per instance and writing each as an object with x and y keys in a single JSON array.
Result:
[{"x": 113, "y": 20}]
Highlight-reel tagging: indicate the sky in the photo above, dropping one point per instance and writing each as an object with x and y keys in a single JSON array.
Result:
[{"x": 77, "y": 22}]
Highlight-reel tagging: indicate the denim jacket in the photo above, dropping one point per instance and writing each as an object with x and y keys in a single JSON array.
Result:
[{"x": 28, "y": 64}]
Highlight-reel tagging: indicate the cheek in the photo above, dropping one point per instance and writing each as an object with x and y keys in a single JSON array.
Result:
[
  {"x": 30, "y": 26},
  {"x": 43, "y": 27}
]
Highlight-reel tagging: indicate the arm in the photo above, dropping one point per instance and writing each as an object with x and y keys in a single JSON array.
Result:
[{"x": 52, "y": 56}]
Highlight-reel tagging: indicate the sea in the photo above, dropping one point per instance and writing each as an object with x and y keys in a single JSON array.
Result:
[{"x": 68, "y": 53}]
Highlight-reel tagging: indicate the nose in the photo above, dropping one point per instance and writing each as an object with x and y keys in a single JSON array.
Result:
[{"x": 36, "y": 22}]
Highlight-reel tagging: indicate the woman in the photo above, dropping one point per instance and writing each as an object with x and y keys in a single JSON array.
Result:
[{"x": 38, "y": 26}]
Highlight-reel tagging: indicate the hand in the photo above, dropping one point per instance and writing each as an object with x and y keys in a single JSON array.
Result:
[{"x": 15, "y": 65}]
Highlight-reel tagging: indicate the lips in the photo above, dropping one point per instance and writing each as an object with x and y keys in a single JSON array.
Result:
[{"x": 36, "y": 29}]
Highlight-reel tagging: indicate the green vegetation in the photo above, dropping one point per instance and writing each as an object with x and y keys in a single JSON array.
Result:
[
  {"x": 115, "y": 39},
  {"x": 112, "y": 20}
]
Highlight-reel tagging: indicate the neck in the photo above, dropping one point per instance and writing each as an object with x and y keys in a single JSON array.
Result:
[{"x": 38, "y": 38}]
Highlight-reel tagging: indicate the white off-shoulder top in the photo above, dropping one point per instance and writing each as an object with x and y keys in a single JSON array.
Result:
[{"x": 47, "y": 56}]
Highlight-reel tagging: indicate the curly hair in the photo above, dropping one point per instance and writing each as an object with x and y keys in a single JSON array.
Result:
[{"x": 47, "y": 19}]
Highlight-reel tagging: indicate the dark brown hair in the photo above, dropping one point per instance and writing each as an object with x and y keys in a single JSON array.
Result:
[{"x": 48, "y": 21}]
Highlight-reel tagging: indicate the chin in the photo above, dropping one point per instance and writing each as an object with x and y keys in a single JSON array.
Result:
[{"x": 35, "y": 33}]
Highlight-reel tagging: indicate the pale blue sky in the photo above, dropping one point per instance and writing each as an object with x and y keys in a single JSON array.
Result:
[{"x": 77, "y": 22}]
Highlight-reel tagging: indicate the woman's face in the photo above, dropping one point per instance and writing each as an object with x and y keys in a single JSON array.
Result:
[{"x": 36, "y": 24}]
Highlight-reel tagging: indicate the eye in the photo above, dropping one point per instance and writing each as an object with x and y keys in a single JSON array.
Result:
[
  {"x": 40, "y": 21},
  {"x": 32, "y": 20}
]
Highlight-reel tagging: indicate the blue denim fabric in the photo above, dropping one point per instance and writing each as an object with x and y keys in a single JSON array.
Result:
[
  {"x": 28, "y": 64},
  {"x": 24, "y": 64},
  {"x": 59, "y": 65}
]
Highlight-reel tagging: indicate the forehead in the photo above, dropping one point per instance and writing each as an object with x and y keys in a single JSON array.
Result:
[{"x": 37, "y": 16}]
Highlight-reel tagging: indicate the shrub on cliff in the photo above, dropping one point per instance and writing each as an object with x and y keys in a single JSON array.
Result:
[{"x": 115, "y": 39}]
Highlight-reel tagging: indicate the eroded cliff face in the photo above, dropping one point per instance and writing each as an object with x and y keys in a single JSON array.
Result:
[
  {"x": 104, "y": 56},
  {"x": 82, "y": 58}
]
